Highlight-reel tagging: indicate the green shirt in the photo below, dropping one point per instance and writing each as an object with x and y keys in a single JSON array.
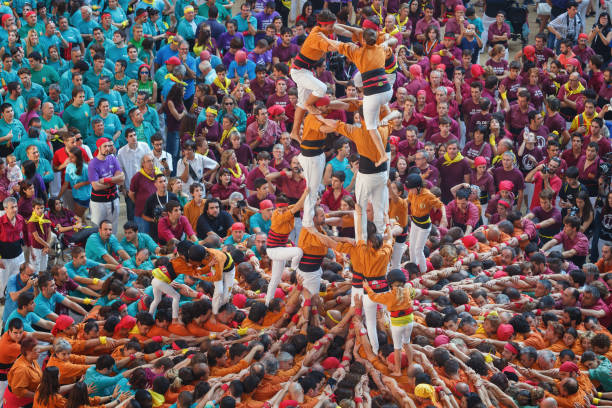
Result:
[
  {"x": 45, "y": 77},
  {"x": 19, "y": 105},
  {"x": 55, "y": 123},
  {"x": 16, "y": 127},
  {"x": 93, "y": 80}
]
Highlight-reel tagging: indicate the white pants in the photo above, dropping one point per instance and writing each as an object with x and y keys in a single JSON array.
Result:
[
  {"x": 369, "y": 314},
  {"x": 307, "y": 84},
  {"x": 11, "y": 267},
  {"x": 312, "y": 280},
  {"x": 529, "y": 190},
  {"x": 398, "y": 252},
  {"x": 39, "y": 260},
  {"x": 371, "y": 108},
  {"x": 159, "y": 288},
  {"x": 372, "y": 188},
  {"x": 294, "y": 235},
  {"x": 401, "y": 335},
  {"x": 3, "y": 386},
  {"x": 417, "y": 238},
  {"x": 279, "y": 257},
  {"x": 582, "y": 8},
  {"x": 56, "y": 184},
  {"x": 313, "y": 171},
  {"x": 223, "y": 290},
  {"x": 105, "y": 211}
]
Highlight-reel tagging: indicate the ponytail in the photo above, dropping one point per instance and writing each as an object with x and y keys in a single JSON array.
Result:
[{"x": 400, "y": 294}]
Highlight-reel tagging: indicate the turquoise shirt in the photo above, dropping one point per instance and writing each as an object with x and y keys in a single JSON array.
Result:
[
  {"x": 105, "y": 385},
  {"x": 43, "y": 149},
  {"x": 603, "y": 373},
  {"x": 81, "y": 270},
  {"x": 19, "y": 105},
  {"x": 113, "y": 97},
  {"x": 45, "y": 170},
  {"x": 344, "y": 167},
  {"x": 257, "y": 221},
  {"x": 43, "y": 306},
  {"x": 72, "y": 35},
  {"x": 83, "y": 193},
  {"x": 79, "y": 117},
  {"x": 95, "y": 248},
  {"x": 93, "y": 80},
  {"x": 132, "y": 68},
  {"x": 35, "y": 91},
  {"x": 144, "y": 241},
  {"x": 186, "y": 29},
  {"x": 16, "y": 127},
  {"x": 28, "y": 320},
  {"x": 115, "y": 53},
  {"x": 47, "y": 42},
  {"x": 249, "y": 40}
]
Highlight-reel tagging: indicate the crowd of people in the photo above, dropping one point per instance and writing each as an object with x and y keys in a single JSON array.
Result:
[{"x": 329, "y": 204}]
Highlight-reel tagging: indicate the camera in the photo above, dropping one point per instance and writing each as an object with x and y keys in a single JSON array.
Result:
[
  {"x": 605, "y": 167},
  {"x": 545, "y": 169},
  {"x": 241, "y": 204},
  {"x": 158, "y": 212},
  {"x": 573, "y": 211}
]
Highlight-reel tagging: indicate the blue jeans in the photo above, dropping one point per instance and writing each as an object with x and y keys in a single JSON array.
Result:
[
  {"x": 143, "y": 226},
  {"x": 172, "y": 147}
]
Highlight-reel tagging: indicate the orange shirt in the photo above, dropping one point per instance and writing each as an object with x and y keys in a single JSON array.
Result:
[
  {"x": 310, "y": 244},
  {"x": 367, "y": 260},
  {"x": 267, "y": 388},
  {"x": 222, "y": 371},
  {"x": 362, "y": 139},
  {"x": 216, "y": 260},
  {"x": 9, "y": 351},
  {"x": 282, "y": 223},
  {"x": 398, "y": 209},
  {"x": 366, "y": 57},
  {"x": 314, "y": 46},
  {"x": 312, "y": 137},
  {"x": 192, "y": 211},
  {"x": 55, "y": 401},
  {"x": 603, "y": 266},
  {"x": 24, "y": 376},
  {"x": 390, "y": 298},
  {"x": 158, "y": 331},
  {"x": 421, "y": 204},
  {"x": 69, "y": 372}
]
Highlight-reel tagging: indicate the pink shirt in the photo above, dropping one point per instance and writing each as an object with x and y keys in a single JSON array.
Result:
[
  {"x": 456, "y": 216},
  {"x": 580, "y": 242},
  {"x": 166, "y": 232}
]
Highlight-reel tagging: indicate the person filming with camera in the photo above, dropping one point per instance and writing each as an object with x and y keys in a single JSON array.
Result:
[{"x": 544, "y": 176}]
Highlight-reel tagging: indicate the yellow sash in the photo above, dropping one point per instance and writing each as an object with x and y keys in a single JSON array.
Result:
[
  {"x": 40, "y": 220},
  {"x": 237, "y": 173},
  {"x": 226, "y": 134},
  {"x": 175, "y": 79},
  {"x": 144, "y": 173},
  {"x": 224, "y": 87},
  {"x": 570, "y": 92},
  {"x": 158, "y": 399},
  {"x": 448, "y": 161}
]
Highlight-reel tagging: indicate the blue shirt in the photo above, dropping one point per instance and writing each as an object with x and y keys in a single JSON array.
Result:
[
  {"x": 344, "y": 167},
  {"x": 115, "y": 53},
  {"x": 13, "y": 284},
  {"x": 81, "y": 270},
  {"x": 164, "y": 54},
  {"x": 28, "y": 320},
  {"x": 44, "y": 307},
  {"x": 95, "y": 248},
  {"x": 72, "y": 35},
  {"x": 237, "y": 70}
]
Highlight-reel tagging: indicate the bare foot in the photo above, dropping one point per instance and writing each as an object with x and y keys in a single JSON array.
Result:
[
  {"x": 382, "y": 160},
  {"x": 396, "y": 374}
]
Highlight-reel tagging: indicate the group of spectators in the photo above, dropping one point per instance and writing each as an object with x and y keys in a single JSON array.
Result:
[{"x": 185, "y": 111}]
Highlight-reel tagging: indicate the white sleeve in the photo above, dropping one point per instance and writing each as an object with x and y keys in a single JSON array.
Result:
[{"x": 208, "y": 163}]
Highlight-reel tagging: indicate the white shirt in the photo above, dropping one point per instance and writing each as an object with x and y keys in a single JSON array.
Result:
[
  {"x": 130, "y": 159},
  {"x": 158, "y": 161},
  {"x": 199, "y": 164}
]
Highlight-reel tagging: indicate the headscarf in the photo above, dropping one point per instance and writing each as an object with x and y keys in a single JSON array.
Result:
[{"x": 425, "y": 391}]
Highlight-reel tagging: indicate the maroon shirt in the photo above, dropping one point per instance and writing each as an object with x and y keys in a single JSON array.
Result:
[
  {"x": 514, "y": 175},
  {"x": 274, "y": 99},
  {"x": 331, "y": 201},
  {"x": 285, "y": 54},
  {"x": 451, "y": 175},
  {"x": 471, "y": 150},
  {"x": 262, "y": 91},
  {"x": 499, "y": 67},
  {"x": 543, "y": 55},
  {"x": 142, "y": 188},
  {"x": 570, "y": 159},
  {"x": 290, "y": 188}
]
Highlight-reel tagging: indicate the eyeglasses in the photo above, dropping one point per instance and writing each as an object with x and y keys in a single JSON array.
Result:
[
  {"x": 144, "y": 72},
  {"x": 78, "y": 138},
  {"x": 228, "y": 103}
]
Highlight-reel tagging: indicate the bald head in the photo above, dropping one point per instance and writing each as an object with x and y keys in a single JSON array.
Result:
[{"x": 548, "y": 403}]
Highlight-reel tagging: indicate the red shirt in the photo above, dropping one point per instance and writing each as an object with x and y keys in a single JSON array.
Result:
[
  {"x": 331, "y": 201},
  {"x": 32, "y": 227},
  {"x": 289, "y": 187},
  {"x": 11, "y": 236},
  {"x": 166, "y": 232}
]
